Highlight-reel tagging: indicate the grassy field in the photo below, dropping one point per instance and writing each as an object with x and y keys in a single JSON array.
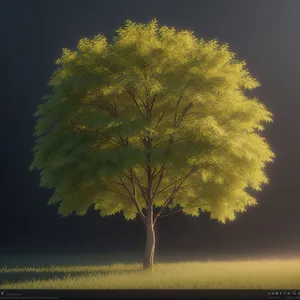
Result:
[{"x": 256, "y": 274}]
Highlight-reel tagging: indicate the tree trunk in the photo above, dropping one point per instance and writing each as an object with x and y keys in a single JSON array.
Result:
[{"x": 150, "y": 246}]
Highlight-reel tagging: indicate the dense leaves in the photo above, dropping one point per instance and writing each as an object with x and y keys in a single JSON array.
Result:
[{"x": 156, "y": 110}]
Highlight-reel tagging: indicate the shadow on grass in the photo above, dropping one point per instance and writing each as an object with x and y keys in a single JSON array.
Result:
[{"x": 20, "y": 276}]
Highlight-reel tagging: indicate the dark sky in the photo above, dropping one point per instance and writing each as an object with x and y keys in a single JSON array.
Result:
[{"x": 264, "y": 33}]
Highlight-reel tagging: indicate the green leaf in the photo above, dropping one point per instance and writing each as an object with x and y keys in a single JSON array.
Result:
[{"x": 153, "y": 99}]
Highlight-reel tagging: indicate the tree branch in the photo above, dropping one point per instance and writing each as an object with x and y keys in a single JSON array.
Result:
[
  {"x": 179, "y": 210},
  {"x": 171, "y": 213},
  {"x": 134, "y": 200},
  {"x": 155, "y": 173},
  {"x": 142, "y": 188},
  {"x": 183, "y": 114},
  {"x": 109, "y": 108},
  {"x": 173, "y": 193},
  {"x": 160, "y": 118},
  {"x": 168, "y": 186},
  {"x": 117, "y": 190},
  {"x": 153, "y": 101},
  {"x": 106, "y": 137},
  {"x": 179, "y": 100},
  {"x": 159, "y": 181},
  {"x": 132, "y": 95}
]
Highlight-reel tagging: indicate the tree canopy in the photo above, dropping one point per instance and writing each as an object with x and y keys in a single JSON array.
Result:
[{"x": 157, "y": 104}]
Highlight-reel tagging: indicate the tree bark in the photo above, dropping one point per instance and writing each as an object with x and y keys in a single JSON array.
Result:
[
  {"x": 150, "y": 234},
  {"x": 150, "y": 244}
]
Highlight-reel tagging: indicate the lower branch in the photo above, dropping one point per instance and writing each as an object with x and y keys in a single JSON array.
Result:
[
  {"x": 178, "y": 210},
  {"x": 134, "y": 200},
  {"x": 173, "y": 193}
]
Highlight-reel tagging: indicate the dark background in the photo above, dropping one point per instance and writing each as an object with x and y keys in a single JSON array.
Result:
[{"x": 264, "y": 33}]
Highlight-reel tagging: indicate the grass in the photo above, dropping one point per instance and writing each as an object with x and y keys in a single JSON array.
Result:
[{"x": 256, "y": 274}]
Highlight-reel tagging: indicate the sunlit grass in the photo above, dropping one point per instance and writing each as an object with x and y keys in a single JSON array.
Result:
[{"x": 259, "y": 274}]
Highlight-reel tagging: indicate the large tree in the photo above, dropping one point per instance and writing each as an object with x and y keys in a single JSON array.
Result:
[{"x": 155, "y": 122}]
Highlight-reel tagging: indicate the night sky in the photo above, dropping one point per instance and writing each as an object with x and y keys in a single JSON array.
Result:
[{"x": 264, "y": 33}]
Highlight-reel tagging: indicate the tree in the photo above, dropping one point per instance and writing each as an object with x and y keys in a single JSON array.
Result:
[{"x": 154, "y": 123}]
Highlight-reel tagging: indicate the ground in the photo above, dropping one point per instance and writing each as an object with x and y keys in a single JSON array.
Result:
[{"x": 64, "y": 273}]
